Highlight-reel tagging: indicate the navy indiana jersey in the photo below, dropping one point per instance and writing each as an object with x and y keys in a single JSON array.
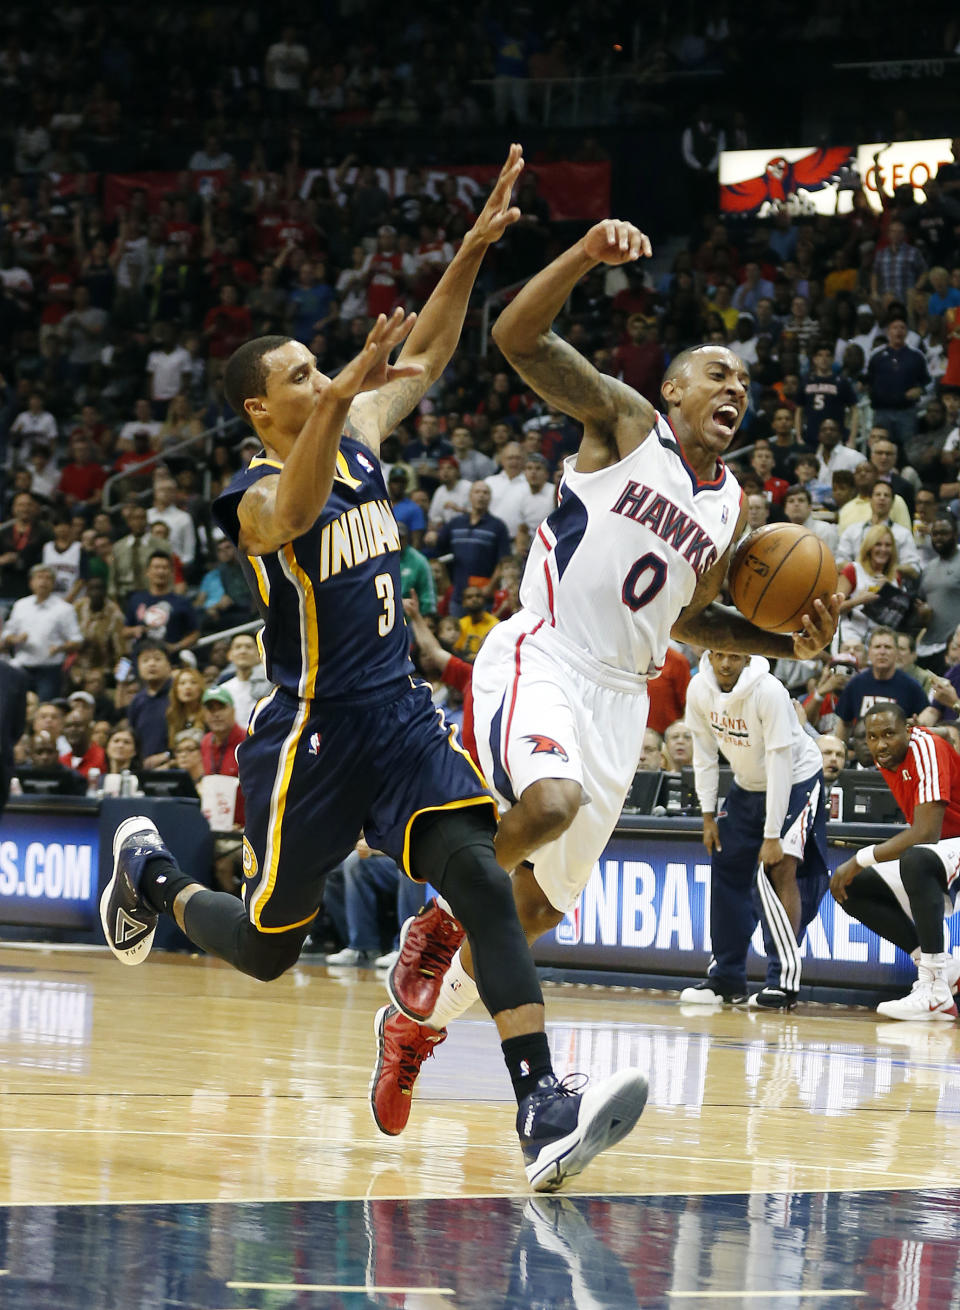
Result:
[{"x": 331, "y": 599}]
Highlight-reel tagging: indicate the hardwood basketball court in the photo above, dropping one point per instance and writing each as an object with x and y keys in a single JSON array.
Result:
[{"x": 178, "y": 1135}]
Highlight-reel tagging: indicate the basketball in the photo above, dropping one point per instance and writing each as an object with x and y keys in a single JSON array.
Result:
[{"x": 777, "y": 573}]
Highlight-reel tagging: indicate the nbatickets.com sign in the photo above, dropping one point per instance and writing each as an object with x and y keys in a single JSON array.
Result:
[
  {"x": 646, "y": 909},
  {"x": 51, "y": 871}
]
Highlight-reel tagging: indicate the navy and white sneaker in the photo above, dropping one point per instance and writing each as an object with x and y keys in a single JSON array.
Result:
[
  {"x": 561, "y": 1129},
  {"x": 128, "y": 922},
  {"x": 773, "y": 998}
]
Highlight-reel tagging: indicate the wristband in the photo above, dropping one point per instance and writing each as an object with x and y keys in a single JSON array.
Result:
[{"x": 864, "y": 856}]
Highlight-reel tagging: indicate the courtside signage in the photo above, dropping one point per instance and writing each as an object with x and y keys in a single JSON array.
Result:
[
  {"x": 646, "y": 909},
  {"x": 48, "y": 870}
]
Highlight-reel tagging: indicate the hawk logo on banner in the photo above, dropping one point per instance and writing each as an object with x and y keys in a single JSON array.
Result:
[
  {"x": 546, "y": 746},
  {"x": 782, "y": 178}
]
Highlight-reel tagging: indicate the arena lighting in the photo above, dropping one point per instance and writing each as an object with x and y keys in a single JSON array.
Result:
[{"x": 813, "y": 179}]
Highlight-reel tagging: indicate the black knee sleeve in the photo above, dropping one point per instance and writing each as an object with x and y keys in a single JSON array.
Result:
[
  {"x": 454, "y": 851},
  {"x": 871, "y": 902},
  {"x": 925, "y": 882},
  {"x": 218, "y": 924}
]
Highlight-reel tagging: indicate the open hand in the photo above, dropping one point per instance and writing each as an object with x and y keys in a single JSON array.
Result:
[
  {"x": 371, "y": 368},
  {"x": 498, "y": 214},
  {"x": 613, "y": 241},
  {"x": 818, "y": 628}
]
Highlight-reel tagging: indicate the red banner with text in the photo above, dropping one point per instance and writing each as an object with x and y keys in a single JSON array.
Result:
[{"x": 572, "y": 191}]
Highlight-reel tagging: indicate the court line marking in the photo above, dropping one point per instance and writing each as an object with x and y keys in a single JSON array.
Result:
[
  {"x": 893, "y": 1186},
  {"x": 729, "y": 1296},
  {"x": 339, "y": 1287}
]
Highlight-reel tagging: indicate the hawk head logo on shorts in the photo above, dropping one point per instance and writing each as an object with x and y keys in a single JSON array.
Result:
[
  {"x": 546, "y": 746},
  {"x": 314, "y": 746}
]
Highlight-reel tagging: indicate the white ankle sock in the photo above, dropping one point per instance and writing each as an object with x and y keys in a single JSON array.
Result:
[
  {"x": 936, "y": 963},
  {"x": 457, "y": 994}
]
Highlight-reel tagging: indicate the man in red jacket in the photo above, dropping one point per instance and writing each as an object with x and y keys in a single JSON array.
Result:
[{"x": 902, "y": 887}]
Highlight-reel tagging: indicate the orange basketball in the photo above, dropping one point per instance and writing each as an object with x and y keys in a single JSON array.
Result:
[{"x": 777, "y": 573}]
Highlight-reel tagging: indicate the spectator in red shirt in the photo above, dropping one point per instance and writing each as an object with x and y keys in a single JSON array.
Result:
[
  {"x": 220, "y": 742},
  {"x": 57, "y": 284},
  {"x": 452, "y": 671},
  {"x": 181, "y": 232},
  {"x": 228, "y": 325},
  {"x": 636, "y": 297},
  {"x": 639, "y": 359},
  {"x": 668, "y": 692},
  {"x": 81, "y": 481},
  {"x": 94, "y": 430},
  {"x": 84, "y": 753},
  {"x": 762, "y": 462},
  {"x": 386, "y": 272}
]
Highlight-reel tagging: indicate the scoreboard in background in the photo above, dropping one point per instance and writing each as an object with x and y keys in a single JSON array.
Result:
[{"x": 821, "y": 180}]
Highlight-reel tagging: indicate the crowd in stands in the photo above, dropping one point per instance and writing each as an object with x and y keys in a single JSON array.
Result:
[{"x": 116, "y": 323}]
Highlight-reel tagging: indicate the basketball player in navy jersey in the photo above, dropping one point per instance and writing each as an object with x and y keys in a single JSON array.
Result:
[
  {"x": 636, "y": 552},
  {"x": 348, "y": 741}
]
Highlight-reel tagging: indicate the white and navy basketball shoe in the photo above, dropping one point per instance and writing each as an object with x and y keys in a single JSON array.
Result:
[
  {"x": 710, "y": 992},
  {"x": 128, "y": 921},
  {"x": 562, "y": 1129}
]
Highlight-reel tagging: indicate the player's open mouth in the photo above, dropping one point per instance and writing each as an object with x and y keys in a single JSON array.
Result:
[{"x": 725, "y": 418}]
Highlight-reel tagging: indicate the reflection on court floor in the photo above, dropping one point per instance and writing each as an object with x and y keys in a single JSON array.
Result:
[
  {"x": 870, "y": 1249},
  {"x": 179, "y": 1136}
]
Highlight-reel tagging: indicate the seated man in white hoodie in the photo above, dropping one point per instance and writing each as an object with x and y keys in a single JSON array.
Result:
[{"x": 768, "y": 845}]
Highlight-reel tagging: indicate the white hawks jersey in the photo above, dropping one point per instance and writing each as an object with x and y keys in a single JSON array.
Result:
[{"x": 619, "y": 558}]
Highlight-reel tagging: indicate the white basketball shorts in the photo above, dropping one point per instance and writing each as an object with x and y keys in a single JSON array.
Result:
[
  {"x": 948, "y": 853},
  {"x": 545, "y": 709}
]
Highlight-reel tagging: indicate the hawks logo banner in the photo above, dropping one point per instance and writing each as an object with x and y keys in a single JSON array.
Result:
[
  {"x": 572, "y": 190},
  {"x": 822, "y": 180}
]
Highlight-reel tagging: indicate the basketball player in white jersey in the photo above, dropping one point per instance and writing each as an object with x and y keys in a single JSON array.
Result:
[{"x": 635, "y": 552}]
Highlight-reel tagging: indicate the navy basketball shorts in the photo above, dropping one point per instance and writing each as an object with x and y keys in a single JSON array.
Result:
[{"x": 316, "y": 774}]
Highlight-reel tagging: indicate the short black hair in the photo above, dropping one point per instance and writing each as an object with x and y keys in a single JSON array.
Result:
[
  {"x": 159, "y": 554},
  {"x": 797, "y": 490},
  {"x": 245, "y": 374},
  {"x": 680, "y": 361},
  {"x": 885, "y": 707},
  {"x": 151, "y": 643}
]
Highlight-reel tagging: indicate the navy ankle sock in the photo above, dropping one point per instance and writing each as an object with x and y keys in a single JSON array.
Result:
[
  {"x": 161, "y": 883},
  {"x": 528, "y": 1060}
]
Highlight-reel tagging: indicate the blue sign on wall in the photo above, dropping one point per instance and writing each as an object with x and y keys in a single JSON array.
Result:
[
  {"x": 647, "y": 909},
  {"x": 48, "y": 870}
]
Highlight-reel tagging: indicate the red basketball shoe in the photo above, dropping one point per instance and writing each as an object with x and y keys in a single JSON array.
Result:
[
  {"x": 427, "y": 945},
  {"x": 402, "y": 1047}
]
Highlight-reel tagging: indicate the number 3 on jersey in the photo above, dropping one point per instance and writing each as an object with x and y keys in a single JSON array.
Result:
[
  {"x": 650, "y": 567},
  {"x": 383, "y": 584}
]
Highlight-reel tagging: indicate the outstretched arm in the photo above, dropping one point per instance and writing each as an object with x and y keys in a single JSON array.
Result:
[
  {"x": 275, "y": 510},
  {"x": 432, "y": 342},
  {"x": 547, "y": 363}
]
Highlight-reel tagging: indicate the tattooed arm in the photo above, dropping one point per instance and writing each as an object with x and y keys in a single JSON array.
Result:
[
  {"x": 434, "y": 339},
  {"x": 615, "y": 417},
  {"x": 721, "y": 628}
]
